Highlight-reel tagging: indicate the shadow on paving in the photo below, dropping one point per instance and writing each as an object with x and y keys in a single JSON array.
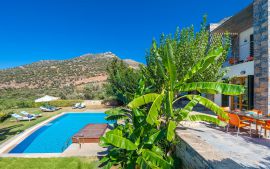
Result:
[
  {"x": 7, "y": 131},
  {"x": 188, "y": 128},
  {"x": 245, "y": 135},
  {"x": 229, "y": 163},
  {"x": 266, "y": 163}
]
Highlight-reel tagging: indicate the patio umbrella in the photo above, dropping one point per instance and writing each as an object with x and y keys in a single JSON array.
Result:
[{"x": 46, "y": 99}]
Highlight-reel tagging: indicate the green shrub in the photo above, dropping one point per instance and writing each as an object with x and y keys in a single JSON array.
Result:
[
  {"x": 4, "y": 116},
  {"x": 14, "y": 104},
  {"x": 60, "y": 103}
]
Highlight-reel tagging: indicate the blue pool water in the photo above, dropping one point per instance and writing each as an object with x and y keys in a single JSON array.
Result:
[{"x": 53, "y": 137}]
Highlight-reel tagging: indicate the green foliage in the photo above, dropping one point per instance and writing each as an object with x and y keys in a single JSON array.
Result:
[
  {"x": 123, "y": 81},
  {"x": 56, "y": 74},
  {"x": 189, "y": 49},
  {"x": 77, "y": 78},
  {"x": 14, "y": 104},
  {"x": 94, "y": 91},
  {"x": 60, "y": 103},
  {"x": 146, "y": 138},
  {"x": 4, "y": 116}
]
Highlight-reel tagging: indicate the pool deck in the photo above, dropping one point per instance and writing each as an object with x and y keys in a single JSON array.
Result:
[
  {"x": 74, "y": 150},
  {"x": 87, "y": 149},
  {"x": 224, "y": 149}
]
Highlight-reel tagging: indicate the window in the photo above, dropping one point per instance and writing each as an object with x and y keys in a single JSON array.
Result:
[{"x": 251, "y": 48}]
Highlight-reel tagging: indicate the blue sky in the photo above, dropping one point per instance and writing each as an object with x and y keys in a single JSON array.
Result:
[{"x": 33, "y": 30}]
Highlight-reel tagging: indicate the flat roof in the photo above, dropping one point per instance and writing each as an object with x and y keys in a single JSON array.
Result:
[{"x": 237, "y": 23}]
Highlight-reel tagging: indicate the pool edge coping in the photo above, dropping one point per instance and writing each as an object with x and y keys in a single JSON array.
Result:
[
  {"x": 15, "y": 140},
  {"x": 12, "y": 142}
]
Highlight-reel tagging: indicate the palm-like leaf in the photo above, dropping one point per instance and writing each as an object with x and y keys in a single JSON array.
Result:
[
  {"x": 206, "y": 118},
  {"x": 155, "y": 137},
  {"x": 171, "y": 130},
  {"x": 183, "y": 113},
  {"x": 154, "y": 110},
  {"x": 143, "y": 100},
  {"x": 145, "y": 164},
  {"x": 203, "y": 64},
  {"x": 155, "y": 159},
  {"x": 170, "y": 66},
  {"x": 120, "y": 142},
  {"x": 208, "y": 104},
  {"x": 212, "y": 87},
  {"x": 169, "y": 105},
  {"x": 157, "y": 150},
  {"x": 116, "y": 114}
]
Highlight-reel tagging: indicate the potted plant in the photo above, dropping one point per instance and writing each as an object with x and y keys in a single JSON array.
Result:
[
  {"x": 233, "y": 60},
  {"x": 250, "y": 58}
]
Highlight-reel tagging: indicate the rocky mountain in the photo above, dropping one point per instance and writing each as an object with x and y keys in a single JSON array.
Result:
[{"x": 85, "y": 69}]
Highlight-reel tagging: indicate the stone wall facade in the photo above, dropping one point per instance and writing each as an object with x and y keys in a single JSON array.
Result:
[
  {"x": 190, "y": 158},
  {"x": 261, "y": 55}
]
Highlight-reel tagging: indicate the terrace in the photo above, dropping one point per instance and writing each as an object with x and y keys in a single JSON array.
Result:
[{"x": 207, "y": 146}]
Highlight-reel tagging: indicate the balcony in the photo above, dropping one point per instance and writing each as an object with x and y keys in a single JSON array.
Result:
[
  {"x": 240, "y": 69},
  {"x": 237, "y": 60}
]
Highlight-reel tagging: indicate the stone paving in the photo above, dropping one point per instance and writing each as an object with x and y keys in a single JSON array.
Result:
[
  {"x": 86, "y": 150},
  {"x": 224, "y": 149}
]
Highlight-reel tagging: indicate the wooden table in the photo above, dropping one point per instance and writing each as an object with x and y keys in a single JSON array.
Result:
[{"x": 257, "y": 118}]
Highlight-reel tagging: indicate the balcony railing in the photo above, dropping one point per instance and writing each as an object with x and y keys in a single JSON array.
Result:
[{"x": 236, "y": 60}]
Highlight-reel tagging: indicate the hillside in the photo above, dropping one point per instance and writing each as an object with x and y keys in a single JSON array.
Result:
[{"x": 58, "y": 74}]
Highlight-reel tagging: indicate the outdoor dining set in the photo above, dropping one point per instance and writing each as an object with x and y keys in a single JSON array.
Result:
[{"x": 245, "y": 118}]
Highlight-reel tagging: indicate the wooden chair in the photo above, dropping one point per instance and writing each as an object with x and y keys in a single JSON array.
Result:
[
  {"x": 235, "y": 121},
  {"x": 265, "y": 127}
]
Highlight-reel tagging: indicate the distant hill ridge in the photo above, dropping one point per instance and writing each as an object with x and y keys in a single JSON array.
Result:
[{"x": 84, "y": 69}]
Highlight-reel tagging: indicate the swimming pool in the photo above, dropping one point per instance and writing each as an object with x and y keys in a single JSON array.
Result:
[{"x": 55, "y": 136}]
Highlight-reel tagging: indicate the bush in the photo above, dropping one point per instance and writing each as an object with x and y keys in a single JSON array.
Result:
[
  {"x": 60, "y": 103},
  {"x": 14, "y": 104},
  {"x": 4, "y": 116}
]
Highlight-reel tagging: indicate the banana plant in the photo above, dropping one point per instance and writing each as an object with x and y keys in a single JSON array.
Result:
[{"x": 146, "y": 137}]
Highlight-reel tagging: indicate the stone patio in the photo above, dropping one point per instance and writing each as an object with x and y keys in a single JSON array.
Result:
[{"x": 211, "y": 147}]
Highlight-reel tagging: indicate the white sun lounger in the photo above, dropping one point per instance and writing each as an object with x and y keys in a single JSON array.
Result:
[
  {"x": 30, "y": 115},
  {"x": 45, "y": 109},
  {"x": 82, "y": 105},
  {"x": 22, "y": 118},
  {"x": 76, "y": 106}
]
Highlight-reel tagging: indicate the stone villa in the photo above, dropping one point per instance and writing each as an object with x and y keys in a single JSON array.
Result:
[{"x": 249, "y": 57}]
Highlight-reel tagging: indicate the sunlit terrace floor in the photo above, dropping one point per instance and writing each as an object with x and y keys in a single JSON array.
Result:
[{"x": 224, "y": 149}]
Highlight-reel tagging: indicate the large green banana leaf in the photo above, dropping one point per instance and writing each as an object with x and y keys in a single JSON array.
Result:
[
  {"x": 214, "y": 87},
  {"x": 115, "y": 131},
  {"x": 121, "y": 142},
  {"x": 208, "y": 104},
  {"x": 115, "y": 114},
  {"x": 155, "y": 159},
  {"x": 171, "y": 130},
  {"x": 157, "y": 150},
  {"x": 170, "y": 66},
  {"x": 143, "y": 100},
  {"x": 183, "y": 113},
  {"x": 203, "y": 64},
  {"x": 155, "y": 137},
  {"x": 169, "y": 105},
  {"x": 154, "y": 110},
  {"x": 145, "y": 164},
  {"x": 207, "y": 118}
]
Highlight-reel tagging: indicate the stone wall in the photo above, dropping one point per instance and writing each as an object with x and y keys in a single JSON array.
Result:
[
  {"x": 261, "y": 55},
  {"x": 190, "y": 159}
]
